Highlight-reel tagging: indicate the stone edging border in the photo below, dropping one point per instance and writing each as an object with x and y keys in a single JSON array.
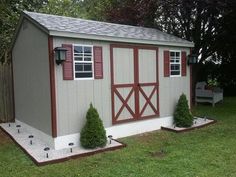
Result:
[
  {"x": 191, "y": 128},
  {"x": 65, "y": 158}
]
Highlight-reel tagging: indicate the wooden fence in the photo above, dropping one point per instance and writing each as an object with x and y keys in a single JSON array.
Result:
[{"x": 6, "y": 92}]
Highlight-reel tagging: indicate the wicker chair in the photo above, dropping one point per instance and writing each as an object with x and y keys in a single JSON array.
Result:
[{"x": 202, "y": 94}]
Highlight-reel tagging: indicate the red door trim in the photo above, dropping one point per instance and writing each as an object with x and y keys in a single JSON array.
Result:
[
  {"x": 136, "y": 81},
  {"x": 125, "y": 103},
  {"x": 52, "y": 86}
]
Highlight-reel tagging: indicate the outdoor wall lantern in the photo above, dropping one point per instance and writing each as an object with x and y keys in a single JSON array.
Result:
[
  {"x": 192, "y": 59},
  {"x": 60, "y": 54}
]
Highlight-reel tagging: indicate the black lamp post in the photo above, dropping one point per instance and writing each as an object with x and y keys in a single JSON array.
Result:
[
  {"x": 31, "y": 137},
  {"x": 18, "y": 128},
  {"x": 46, "y": 149},
  {"x": 192, "y": 59},
  {"x": 60, "y": 54},
  {"x": 71, "y": 144},
  {"x": 110, "y": 138}
]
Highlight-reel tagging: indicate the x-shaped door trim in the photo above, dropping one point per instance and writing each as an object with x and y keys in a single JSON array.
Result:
[
  {"x": 148, "y": 100},
  {"x": 124, "y": 103}
]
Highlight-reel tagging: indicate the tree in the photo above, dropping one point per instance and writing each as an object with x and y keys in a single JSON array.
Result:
[
  {"x": 182, "y": 115},
  {"x": 206, "y": 23},
  {"x": 9, "y": 17},
  {"x": 93, "y": 133},
  {"x": 131, "y": 12},
  {"x": 71, "y": 8}
]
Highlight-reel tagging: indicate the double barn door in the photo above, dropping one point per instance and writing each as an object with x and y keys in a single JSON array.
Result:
[{"x": 134, "y": 82}]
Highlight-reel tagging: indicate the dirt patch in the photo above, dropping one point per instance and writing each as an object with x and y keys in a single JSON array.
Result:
[
  {"x": 158, "y": 154},
  {"x": 4, "y": 138}
]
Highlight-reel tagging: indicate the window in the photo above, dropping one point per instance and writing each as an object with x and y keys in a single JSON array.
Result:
[
  {"x": 175, "y": 63},
  {"x": 83, "y": 62}
]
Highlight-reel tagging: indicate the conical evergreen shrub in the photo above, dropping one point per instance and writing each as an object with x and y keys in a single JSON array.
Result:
[
  {"x": 182, "y": 115},
  {"x": 93, "y": 133}
]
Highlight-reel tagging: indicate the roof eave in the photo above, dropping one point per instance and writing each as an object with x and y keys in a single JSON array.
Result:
[{"x": 118, "y": 39}]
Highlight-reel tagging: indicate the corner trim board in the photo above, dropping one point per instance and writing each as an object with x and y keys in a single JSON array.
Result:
[{"x": 52, "y": 87}]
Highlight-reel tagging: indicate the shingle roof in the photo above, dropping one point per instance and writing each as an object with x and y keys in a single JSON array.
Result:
[{"x": 82, "y": 26}]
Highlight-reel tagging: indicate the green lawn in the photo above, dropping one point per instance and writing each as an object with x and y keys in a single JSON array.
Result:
[{"x": 208, "y": 152}]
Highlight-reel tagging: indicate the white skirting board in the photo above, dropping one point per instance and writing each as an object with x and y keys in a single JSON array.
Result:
[
  {"x": 134, "y": 128},
  {"x": 117, "y": 131}
]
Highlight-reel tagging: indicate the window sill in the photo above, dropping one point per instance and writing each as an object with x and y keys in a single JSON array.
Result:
[
  {"x": 83, "y": 79},
  {"x": 175, "y": 75}
]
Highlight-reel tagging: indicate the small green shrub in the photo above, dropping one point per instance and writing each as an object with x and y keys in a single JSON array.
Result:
[
  {"x": 182, "y": 115},
  {"x": 93, "y": 133}
]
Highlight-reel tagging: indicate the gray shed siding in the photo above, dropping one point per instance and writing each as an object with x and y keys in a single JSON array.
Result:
[
  {"x": 73, "y": 97},
  {"x": 31, "y": 78},
  {"x": 171, "y": 87}
]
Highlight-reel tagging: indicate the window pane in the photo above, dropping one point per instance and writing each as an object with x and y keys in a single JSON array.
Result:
[
  {"x": 175, "y": 67},
  {"x": 79, "y": 58},
  {"x": 177, "y": 61},
  {"x": 78, "y": 54},
  {"x": 88, "y": 54},
  {"x": 78, "y": 67},
  {"x": 87, "y": 50},
  {"x": 88, "y": 67},
  {"x": 177, "y": 54},
  {"x": 77, "y": 49},
  {"x": 87, "y": 59},
  {"x": 84, "y": 75},
  {"x": 172, "y": 54},
  {"x": 175, "y": 72}
]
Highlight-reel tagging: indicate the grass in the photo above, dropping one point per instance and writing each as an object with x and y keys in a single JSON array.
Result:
[{"x": 206, "y": 152}]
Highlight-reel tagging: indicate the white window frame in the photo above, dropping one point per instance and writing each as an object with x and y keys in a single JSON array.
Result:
[
  {"x": 180, "y": 63},
  {"x": 92, "y": 62}
]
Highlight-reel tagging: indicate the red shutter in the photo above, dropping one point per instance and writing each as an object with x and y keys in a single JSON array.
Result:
[
  {"x": 98, "y": 64},
  {"x": 166, "y": 63},
  {"x": 183, "y": 63},
  {"x": 68, "y": 63}
]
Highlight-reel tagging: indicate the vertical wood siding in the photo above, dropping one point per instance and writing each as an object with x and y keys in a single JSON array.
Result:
[
  {"x": 147, "y": 64},
  {"x": 74, "y": 97},
  {"x": 6, "y": 93},
  {"x": 171, "y": 87},
  {"x": 32, "y": 79}
]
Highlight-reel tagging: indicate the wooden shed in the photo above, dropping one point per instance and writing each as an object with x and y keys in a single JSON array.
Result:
[{"x": 132, "y": 75}]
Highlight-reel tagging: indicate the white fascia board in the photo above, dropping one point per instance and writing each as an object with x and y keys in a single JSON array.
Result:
[{"x": 118, "y": 39}]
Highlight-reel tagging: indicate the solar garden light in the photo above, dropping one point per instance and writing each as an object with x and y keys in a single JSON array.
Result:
[
  {"x": 71, "y": 144},
  {"x": 18, "y": 128},
  {"x": 110, "y": 138},
  {"x": 31, "y": 137},
  {"x": 9, "y": 125},
  {"x": 60, "y": 54},
  {"x": 205, "y": 118},
  {"x": 46, "y": 149}
]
